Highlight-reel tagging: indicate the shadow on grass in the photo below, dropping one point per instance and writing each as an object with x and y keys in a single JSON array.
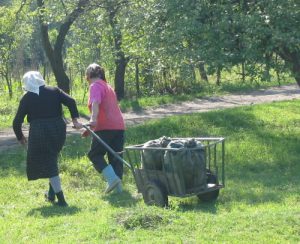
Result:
[
  {"x": 52, "y": 210},
  {"x": 206, "y": 207},
  {"x": 263, "y": 155},
  {"x": 251, "y": 178},
  {"x": 123, "y": 199}
]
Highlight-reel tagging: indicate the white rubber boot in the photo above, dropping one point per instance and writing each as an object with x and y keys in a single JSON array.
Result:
[{"x": 112, "y": 179}]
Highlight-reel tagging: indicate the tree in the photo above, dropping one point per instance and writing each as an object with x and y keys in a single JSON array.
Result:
[
  {"x": 10, "y": 39},
  {"x": 55, "y": 52},
  {"x": 121, "y": 61},
  {"x": 109, "y": 25},
  {"x": 7, "y": 42},
  {"x": 281, "y": 20},
  {"x": 231, "y": 33}
]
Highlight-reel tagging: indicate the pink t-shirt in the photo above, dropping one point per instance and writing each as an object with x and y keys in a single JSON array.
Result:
[{"x": 109, "y": 116}]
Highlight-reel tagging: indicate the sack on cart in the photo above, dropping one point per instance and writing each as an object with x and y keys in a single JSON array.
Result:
[
  {"x": 153, "y": 159},
  {"x": 188, "y": 164}
]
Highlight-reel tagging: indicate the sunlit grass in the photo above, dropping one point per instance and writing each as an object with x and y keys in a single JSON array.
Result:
[{"x": 260, "y": 203}]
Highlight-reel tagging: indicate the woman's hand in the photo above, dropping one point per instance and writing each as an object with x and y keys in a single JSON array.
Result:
[
  {"x": 77, "y": 125},
  {"x": 85, "y": 133},
  {"x": 92, "y": 124},
  {"x": 23, "y": 141}
]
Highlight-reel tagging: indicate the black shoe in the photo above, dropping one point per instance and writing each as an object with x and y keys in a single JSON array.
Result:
[
  {"x": 50, "y": 195},
  {"x": 61, "y": 199}
]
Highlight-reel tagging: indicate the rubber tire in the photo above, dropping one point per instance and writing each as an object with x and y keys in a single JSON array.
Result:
[
  {"x": 155, "y": 194},
  {"x": 211, "y": 195}
]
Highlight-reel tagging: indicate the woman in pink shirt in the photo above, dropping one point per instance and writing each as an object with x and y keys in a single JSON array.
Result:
[{"x": 108, "y": 123}]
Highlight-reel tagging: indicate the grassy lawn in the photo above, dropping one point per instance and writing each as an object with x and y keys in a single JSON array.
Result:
[{"x": 260, "y": 204}]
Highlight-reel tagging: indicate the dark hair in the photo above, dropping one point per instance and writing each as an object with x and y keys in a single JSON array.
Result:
[{"x": 95, "y": 71}]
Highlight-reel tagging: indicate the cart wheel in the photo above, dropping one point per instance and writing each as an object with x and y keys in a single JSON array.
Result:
[
  {"x": 155, "y": 194},
  {"x": 211, "y": 195}
]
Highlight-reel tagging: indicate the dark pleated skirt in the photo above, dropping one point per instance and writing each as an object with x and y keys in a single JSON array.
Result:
[{"x": 45, "y": 141}]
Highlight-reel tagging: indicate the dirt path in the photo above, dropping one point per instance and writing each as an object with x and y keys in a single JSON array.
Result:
[{"x": 7, "y": 138}]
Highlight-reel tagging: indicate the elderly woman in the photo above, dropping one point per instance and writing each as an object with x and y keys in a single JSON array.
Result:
[{"x": 43, "y": 107}]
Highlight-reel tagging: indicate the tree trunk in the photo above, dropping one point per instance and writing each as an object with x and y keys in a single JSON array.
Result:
[
  {"x": 9, "y": 84},
  {"x": 219, "y": 69},
  {"x": 120, "y": 60},
  {"x": 137, "y": 78},
  {"x": 266, "y": 75},
  {"x": 296, "y": 72},
  {"x": 276, "y": 70},
  {"x": 292, "y": 58},
  {"x": 62, "y": 79},
  {"x": 121, "y": 64},
  {"x": 44, "y": 70},
  {"x": 243, "y": 72},
  {"x": 202, "y": 71},
  {"x": 54, "y": 54},
  {"x": 147, "y": 73}
]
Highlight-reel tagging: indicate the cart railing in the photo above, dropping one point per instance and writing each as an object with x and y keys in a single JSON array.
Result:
[
  {"x": 156, "y": 185},
  {"x": 211, "y": 142},
  {"x": 214, "y": 159}
]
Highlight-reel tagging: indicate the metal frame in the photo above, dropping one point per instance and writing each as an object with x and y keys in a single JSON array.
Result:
[
  {"x": 215, "y": 161},
  {"x": 214, "y": 158}
]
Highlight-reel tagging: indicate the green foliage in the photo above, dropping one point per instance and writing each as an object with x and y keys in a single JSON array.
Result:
[
  {"x": 260, "y": 202},
  {"x": 164, "y": 41}
]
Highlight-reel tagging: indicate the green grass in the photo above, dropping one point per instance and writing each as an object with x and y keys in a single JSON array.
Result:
[{"x": 260, "y": 203}]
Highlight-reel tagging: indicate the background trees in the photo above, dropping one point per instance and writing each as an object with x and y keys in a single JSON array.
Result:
[
  {"x": 151, "y": 47},
  {"x": 64, "y": 16},
  {"x": 11, "y": 33}
]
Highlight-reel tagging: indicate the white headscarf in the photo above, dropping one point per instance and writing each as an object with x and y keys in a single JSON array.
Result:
[{"x": 32, "y": 80}]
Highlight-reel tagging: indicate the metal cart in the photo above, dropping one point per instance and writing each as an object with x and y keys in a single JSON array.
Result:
[{"x": 156, "y": 184}]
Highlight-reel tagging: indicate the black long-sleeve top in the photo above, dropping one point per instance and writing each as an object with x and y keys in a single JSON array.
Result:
[{"x": 48, "y": 104}]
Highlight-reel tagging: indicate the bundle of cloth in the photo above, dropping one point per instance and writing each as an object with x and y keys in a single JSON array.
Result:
[
  {"x": 189, "y": 163},
  {"x": 153, "y": 158}
]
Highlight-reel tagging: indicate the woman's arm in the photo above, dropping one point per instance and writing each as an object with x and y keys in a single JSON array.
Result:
[
  {"x": 71, "y": 104},
  {"x": 94, "y": 114},
  {"x": 18, "y": 121}
]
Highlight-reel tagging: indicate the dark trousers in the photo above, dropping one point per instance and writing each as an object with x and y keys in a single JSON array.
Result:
[{"x": 114, "y": 139}]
